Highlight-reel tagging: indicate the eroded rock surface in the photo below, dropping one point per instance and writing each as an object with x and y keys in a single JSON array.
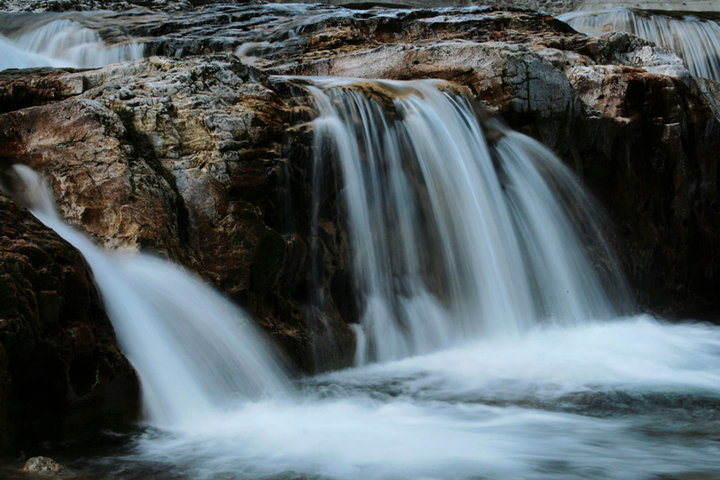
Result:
[
  {"x": 550, "y": 6},
  {"x": 191, "y": 159}
]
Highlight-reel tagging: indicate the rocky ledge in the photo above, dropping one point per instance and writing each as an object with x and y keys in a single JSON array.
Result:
[{"x": 203, "y": 152}]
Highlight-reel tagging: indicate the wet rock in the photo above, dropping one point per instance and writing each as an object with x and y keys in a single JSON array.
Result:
[
  {"x": 648, "y": 148},
  {"x": 46, "y": 467},
  {"x": 192, "y": 164},
  {"x": 550, "y": 6},
  {"x": 27, "y": 87},
  {"x": 61, "y": 373}
]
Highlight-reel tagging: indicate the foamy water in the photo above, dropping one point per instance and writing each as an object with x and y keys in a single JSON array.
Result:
[{"x": 628, "y": 399}]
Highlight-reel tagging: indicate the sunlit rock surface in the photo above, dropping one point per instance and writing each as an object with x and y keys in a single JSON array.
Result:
[
  {"x": 550, "y": 6},
  {"x": 46, "y": 467}
]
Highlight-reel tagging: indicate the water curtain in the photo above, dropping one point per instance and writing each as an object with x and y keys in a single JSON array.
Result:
[
  {"x": 458, "y": 229},
  {"x": 195, "y": 352}
]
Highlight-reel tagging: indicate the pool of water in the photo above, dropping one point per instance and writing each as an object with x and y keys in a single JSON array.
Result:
[{"x": 630, "y": 399}]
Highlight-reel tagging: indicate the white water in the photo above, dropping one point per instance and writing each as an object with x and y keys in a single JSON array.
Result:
[
  {"x": 572, "y": 398},
  {"x": 630, "y": 399},
  {"x": 61, "y": 43},
  {"x": 697, "y": 41},
  {"x": 195, "y": 352},
  {"x": 454, "y": 238}
]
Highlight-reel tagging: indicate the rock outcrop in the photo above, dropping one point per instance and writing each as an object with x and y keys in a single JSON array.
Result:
[
  {"x": 192, "y": 159},
  {"x": 61, "y": 373},
  {"x": 648, "y": 147},
  {"x": 549, "y": 6}
]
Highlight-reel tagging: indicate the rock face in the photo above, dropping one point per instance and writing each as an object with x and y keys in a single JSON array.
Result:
[
  {"x": 191, "y": 159},
  {"x": 649, "y": 150},
  {"x": 205, "y": 155},
  {"x": 61, "y": 373}
]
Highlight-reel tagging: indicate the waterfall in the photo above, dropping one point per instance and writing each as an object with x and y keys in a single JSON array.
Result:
[
  {"x": 195, "y": 353},
  {"x": 61, "y": 43},
  {"x": 454, "y": 236},
  {"x": 469, "y": 240},
  {"x": 697, "y": 41}
]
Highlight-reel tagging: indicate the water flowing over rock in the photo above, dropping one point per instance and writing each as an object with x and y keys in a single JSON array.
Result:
[
  {"x": 690, "y": 6},
  {"x": 194, "y": 351},
  {"x": 201, "y": 176},
  {"x": 696, "y": 40},
  {"x": 212, "y": 152},
  {"x": 454, "y": 237},
  {"x": 58, "y": 42},
  {"x": 207, "y": 160}
]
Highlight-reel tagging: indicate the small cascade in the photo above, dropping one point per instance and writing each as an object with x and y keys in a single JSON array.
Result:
[
  {"x": 196, "y": 354},
  {"x": 696, "y": 40},
  {"x": 453, "y": 236},
  {"x": 61, "y": 43}
]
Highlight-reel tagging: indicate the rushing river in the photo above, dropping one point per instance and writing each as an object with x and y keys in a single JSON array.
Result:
[
  {"x": 628, "y": 399},
  {"x": 43, "y": 41}
]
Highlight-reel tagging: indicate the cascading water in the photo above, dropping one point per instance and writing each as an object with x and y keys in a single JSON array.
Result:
[
  {"x": 454, "y": 238},
  {"x": 195, "y": 353},
  {"x": 697, "y": 41},
  {"x": 548, "y": 389},
  {"x": 61, "y": 43}
]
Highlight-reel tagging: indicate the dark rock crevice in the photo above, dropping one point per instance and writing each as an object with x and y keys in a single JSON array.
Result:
[{"x": 63, "y": 376}]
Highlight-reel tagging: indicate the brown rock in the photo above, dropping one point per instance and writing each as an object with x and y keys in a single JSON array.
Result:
[
  {"x": 192, "y": 164},
  {"x": 28, "y": 87},
  {"x": 90, "y": 159},
  {"x": 648, "y": 148},
  {"x": 46, "y": 467}
]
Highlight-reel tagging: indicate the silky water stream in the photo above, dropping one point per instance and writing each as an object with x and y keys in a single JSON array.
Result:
[
  {"x": 58, "y": 41},
  {"x": 492, "y": 345},
  {"x": 695, "y": 39}
]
